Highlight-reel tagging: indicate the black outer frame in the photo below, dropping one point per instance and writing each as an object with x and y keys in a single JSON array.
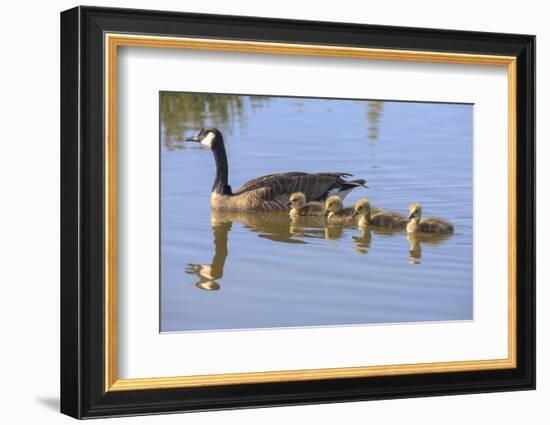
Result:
[{"x": 82, "y": 220}]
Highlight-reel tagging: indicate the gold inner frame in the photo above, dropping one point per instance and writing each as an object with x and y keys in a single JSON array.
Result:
[{"x": 113, "y": 41}]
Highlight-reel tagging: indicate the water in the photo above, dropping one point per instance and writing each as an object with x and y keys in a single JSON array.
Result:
[{"x": 251, "y": 270}]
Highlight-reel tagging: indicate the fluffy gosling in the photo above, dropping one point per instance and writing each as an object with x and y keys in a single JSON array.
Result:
[
  {"x": 376, "y": 217},
  {"x": 427, "y": 225},
  {"x": 336, "y": 212},
  {"x": 299, "y": 206}
]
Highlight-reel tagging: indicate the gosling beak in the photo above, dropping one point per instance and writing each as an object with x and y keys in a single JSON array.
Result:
[
  {"x": 194, "y": 138},
  {"x": 355, "y": 213},
  {"x": 288, "y": 204},
  {"x": 412, "y": 215}
]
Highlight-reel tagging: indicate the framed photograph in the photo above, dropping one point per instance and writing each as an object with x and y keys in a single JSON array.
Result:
[{"x": 261, "y": 212}]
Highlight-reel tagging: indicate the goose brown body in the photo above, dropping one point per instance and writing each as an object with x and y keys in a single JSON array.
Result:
[{"x": 270, "y": 192}]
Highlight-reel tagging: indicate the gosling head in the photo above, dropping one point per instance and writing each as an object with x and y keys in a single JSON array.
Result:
[
  {"x": 333, "y": 204},
  {"x": 362, "y": 208},
  {"x": 297, "y": 199},
  {"x": 415, "y": 212},
  {"x": 208, "y": 136}
]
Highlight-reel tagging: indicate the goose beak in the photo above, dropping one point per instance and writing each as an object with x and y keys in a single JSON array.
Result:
[{"x": 194, "y": 138}]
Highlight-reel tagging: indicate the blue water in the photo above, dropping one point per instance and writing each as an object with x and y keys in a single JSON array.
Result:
[{"x": 242, "y": 271}]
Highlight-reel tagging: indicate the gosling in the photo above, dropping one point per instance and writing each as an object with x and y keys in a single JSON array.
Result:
[
  {"x": 376, "y": 217},
  {"x": 299, "y": 207},
  {"x": 427, "y": 225},
  {"x": 336, "y": 212}
]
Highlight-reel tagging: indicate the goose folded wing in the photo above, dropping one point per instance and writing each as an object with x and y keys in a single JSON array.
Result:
[{"x": 281, "y": 186}]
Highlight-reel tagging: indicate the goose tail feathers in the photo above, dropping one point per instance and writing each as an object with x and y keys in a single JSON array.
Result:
[
  {"x": 354, "y": 183},
  {"x": 346, "y": 187}
]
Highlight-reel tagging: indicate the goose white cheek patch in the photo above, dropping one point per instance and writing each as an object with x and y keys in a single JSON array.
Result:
[{"x": 207, "y": 141}]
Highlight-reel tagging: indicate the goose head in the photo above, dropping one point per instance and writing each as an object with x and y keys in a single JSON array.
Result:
[
  {"x": 333, "y": 204},
  {"x": 297, "y": 200},
  {"x": 208, "y": 136},
  {"x": 415, "y": 212},
  {"x": 362, "y": 208}
]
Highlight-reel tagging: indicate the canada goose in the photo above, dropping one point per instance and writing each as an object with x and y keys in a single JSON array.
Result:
[
  {"x": 271, "y": 192},
  {"x": 427, "y": 225},
  {"x": 299, "y": 206},
  {"x": 375, "y": 217},
  {"x": 336, "y": 212}
]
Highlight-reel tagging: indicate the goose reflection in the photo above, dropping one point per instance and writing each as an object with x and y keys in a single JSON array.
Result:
[
  {"x": 209, "y": 273},
  {"x": 416, "y": 240},
  {"x": 274, "y": 226}
]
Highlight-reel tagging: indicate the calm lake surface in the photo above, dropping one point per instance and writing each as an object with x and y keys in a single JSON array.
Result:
[{"x": 251, "y": 270}]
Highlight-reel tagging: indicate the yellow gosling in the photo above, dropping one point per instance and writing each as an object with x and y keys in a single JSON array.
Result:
[
  {"x": 417, "y": 224},
  {"x": 299, "y": 206},
  {"x": 336, "y": 211},
  {"x": 376, "y": 217}
]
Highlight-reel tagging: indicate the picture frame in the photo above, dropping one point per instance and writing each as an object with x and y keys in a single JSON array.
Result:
[{"x": 90, "y": 40}]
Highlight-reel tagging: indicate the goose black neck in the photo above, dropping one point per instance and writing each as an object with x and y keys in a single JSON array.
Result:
[{"x": 221, "y": 185}]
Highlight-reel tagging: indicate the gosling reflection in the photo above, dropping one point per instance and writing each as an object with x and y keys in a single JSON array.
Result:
[
  {"x": 307, "y": 227},
  {"x": 304, "y": 232},
  {"x": 362, "y": 242},
  {"x": 334, "y": 231},
  {"x": 416, "y": 240}
]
